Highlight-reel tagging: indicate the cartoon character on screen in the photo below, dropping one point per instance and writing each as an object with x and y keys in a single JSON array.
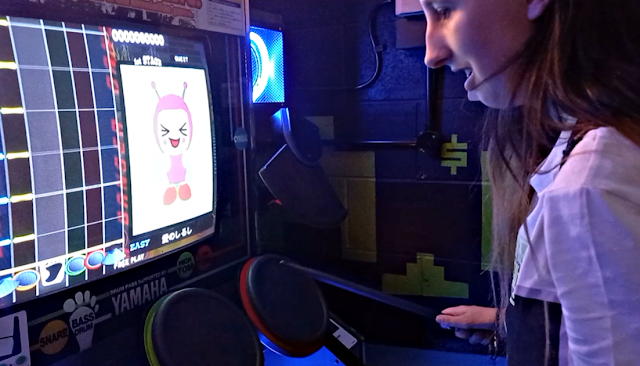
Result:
[{"x": 173, "y": 129}]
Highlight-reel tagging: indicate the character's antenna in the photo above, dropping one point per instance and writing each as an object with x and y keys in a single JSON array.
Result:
[
  {"x": 153, "y": 85},
  {"x": 184, "y": 90}
]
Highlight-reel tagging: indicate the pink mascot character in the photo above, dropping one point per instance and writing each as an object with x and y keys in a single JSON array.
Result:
[{"x": 173, "y": 129}]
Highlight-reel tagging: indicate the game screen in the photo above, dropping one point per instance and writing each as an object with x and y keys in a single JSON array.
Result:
[
  {"x": 107, "y": 152},
  {"x": 267, "y": 65}
]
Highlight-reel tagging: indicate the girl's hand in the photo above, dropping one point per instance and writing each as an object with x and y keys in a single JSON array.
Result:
[
  {"x": 474, "y": 323},
  {"x": 475, "y": 336}
]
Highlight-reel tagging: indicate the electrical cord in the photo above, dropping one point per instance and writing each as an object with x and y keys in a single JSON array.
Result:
[{"x": 377, "y": 48}]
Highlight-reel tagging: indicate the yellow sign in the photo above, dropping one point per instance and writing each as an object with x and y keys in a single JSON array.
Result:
[
  {"x": 54, "y": 337},
  {"x": 454, "y": 155}
]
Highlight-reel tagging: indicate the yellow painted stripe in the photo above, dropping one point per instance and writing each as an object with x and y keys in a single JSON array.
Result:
[
  {"x": 54, "y": 259},
  {"x": 16, "y": 110},
  {"x": 4, "y": 22},
  {"x": 22, "y": 198},
  {"x": 19, "y": 155},
  {"x": 8, "y": 65},
  {"x": 22, "y": 239}
]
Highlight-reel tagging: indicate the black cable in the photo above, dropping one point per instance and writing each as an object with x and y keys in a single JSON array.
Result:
[{"x": 377, "y": 48}]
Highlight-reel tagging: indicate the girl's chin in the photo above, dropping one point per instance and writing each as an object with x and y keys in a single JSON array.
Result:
[
  {"x": 473, "y": 96},
  {"x": 491, "y": 100}
]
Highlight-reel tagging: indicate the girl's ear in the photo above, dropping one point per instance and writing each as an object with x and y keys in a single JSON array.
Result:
[{"x": 537, "y": 8}]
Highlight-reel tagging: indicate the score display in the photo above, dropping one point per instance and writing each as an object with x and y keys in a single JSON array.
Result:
[{"x": 107, "y": 152}]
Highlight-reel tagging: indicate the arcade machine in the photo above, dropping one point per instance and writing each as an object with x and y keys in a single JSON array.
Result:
[
  {"x": 125, "y": 186},
  {"x": 120, "y": 178}
]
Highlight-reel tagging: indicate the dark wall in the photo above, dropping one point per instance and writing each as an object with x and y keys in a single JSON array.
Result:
[{"x": 415, "y": 225}]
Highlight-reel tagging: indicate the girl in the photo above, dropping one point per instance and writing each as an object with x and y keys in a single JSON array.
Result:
[{"x": 563, "y": 78}]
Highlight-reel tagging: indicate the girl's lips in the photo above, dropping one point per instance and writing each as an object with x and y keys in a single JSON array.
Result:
[
  {"x": 469, "y": 84},
  {"x": 175, "y": 143}
]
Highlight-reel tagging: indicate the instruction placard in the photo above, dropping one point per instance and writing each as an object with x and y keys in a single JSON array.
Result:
[{"x": 225, "y": 16}]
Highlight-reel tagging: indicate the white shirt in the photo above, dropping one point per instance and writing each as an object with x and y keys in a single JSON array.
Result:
[{"x": 585, "y": 248}]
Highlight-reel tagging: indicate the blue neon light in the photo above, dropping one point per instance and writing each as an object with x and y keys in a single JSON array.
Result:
[
  {"x": 4, "y": 200},
  {"x": 5, "y": 242},
  {"x": 1, "y": 156},
  {"x": 267, "y": 65}
]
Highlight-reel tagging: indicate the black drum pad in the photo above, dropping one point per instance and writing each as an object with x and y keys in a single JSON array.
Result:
[
  {"x": 285, "y": 305},
  {"x": 198, "y": 327}
]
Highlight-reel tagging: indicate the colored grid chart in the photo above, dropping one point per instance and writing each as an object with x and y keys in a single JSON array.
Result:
[{"x": 59, "y": 163}]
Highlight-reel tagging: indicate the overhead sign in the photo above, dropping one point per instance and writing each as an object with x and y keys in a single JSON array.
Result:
[{"x": 225, "y": 16}]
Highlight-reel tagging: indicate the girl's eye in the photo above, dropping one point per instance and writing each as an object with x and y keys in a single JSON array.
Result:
[
  {"x": 165, "y": 132},
  {"x": 444, "y": 13},
  {"x": 183, "y": 130}
]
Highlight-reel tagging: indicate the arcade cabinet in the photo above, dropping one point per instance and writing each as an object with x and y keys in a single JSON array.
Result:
[
  {"x": 125, "y": 187},
  {"x": 120, "y": 178}
]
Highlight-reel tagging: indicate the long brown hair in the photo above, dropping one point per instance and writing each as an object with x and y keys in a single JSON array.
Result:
[{"x": 583, "y": 60}]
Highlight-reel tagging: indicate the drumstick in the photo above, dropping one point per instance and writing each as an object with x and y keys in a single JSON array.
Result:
[{"x": 366, "y": 291}]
